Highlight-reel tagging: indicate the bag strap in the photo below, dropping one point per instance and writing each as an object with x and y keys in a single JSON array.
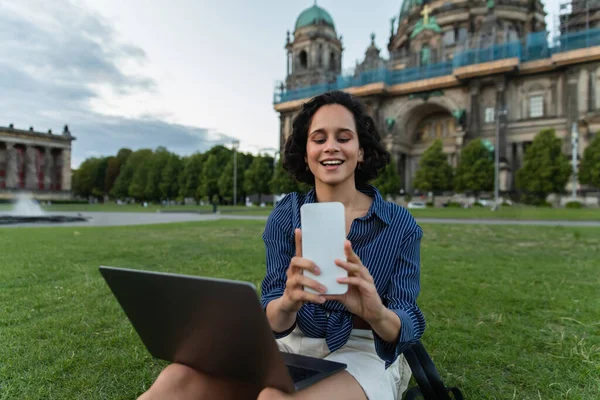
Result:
[
  {"x": 426, "y": 390},
  {"x": 431, "y": 386}
]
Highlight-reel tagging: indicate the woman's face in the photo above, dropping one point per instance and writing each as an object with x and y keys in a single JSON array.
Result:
[{"x": 332, "y": 149}]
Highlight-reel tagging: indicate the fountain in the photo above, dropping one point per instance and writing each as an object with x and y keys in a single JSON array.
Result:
[{"x": 26, "y": 210}]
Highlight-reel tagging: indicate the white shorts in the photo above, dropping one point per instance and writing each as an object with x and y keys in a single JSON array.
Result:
[{"x": 362, "y": 360}]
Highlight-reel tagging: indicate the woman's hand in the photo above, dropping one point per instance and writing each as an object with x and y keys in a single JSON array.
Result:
[
  {"x": 294, "y": 295},
  {"x": 362, "y": 298}
]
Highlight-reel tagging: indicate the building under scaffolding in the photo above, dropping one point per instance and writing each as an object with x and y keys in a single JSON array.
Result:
[{"x": 578, "y": 15}]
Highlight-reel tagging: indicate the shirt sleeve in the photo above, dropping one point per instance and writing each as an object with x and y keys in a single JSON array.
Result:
[
  {"x": 280, "y": 248},
  {"x": 401, "y": 298}
]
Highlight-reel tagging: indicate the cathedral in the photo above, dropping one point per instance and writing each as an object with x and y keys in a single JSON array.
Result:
[{"x": 457, "y": 70}]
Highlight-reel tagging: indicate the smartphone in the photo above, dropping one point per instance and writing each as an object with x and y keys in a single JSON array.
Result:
[{"x": 323, "y": 234}]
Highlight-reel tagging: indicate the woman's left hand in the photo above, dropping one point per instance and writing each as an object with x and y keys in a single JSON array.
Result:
[{"x": 362, "y": 298}]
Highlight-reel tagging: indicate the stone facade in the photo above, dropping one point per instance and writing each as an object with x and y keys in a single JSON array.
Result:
[
  {"x": 510, "y": 97},
  {"x": 35, "y": 162}
]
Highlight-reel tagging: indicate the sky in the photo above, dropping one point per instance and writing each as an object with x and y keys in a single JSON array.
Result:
[{"x": 184, "y": 74}]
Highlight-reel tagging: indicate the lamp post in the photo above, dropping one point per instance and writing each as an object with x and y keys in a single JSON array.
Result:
[
  {"x": 235, "y": 144},
  {"x": 574, "y": 150},
  {"x": 499, "y": 112}
]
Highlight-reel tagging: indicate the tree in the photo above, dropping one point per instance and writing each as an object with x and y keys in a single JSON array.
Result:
[
  {"x": 257, "y": 177},
  {"x": 157, "y": 164},
  {"x": 545, "y": 168},
  {"x": 282, "y": 182},
  {"x": 434, "y": 174},
  {"x": 589, "y": 172},
  {"x": 225, "y": 182},
  {"x": 191, "y": 177},
  {"x": 113, "y": 167},
  {"x": 475, "y": 170},
  {"x": 209, "y": 184},
  {"x": 388, "y": 183},
  {"x": 120, "y": 189},
  {"x": 169, "y": 184}
]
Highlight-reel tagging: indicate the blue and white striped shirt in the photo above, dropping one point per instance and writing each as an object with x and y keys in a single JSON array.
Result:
[{"x": 387, "y": 240}]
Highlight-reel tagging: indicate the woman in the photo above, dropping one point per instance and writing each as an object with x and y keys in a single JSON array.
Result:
[{"x": 335, "y": 148}]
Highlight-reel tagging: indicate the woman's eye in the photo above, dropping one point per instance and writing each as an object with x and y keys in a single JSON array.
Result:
[
  {"x": 319, "y": 141},
  {"x": 343, "y": 140}
]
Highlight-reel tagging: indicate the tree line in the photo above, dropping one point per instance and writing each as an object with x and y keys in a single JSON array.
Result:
[
  {"x": 545, "y": 170},
  {"x": 159, "y": 175}
]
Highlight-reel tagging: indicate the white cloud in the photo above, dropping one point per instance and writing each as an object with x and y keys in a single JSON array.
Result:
[{"x": 63, "y": 64}]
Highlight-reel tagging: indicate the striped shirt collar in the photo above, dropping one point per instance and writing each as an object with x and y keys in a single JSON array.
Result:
[{"x": 378, "y": 207}]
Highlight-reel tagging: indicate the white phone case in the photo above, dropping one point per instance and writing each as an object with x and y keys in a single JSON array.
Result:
[{"x": 323, "y": 236}]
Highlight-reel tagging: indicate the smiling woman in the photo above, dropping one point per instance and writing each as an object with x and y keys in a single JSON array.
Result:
[{"x": 356, "y": 129}]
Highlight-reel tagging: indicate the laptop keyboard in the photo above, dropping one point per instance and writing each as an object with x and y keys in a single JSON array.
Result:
[{"x": 298, "y": 373}]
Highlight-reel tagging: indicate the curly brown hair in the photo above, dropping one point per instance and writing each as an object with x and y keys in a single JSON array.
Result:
[{"x": 375, "y": 156}]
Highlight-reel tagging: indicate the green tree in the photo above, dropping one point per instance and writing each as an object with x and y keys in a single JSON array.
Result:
[
  {"x": 86, "y": 176},
  {"x": 282, "y": 182},
  {"x": 475, "y": 170},
  {"x": 545, "y": 168},
  {"x": 169, "y": 184},
  {"x": 589, "y": 172},
  {"x": 434, "y": 174},
  {"x": 191, "y": 177},
  {"x": 157, "y": 164},
  {"x": 388, "y": 183},
  {"x": 120, "y": 189},
  {"x": 225, "y": 182},
  {"x": 257, "y": 177},
  {"x": 209, "y": 184},
  {"x": 112, "y": 172}
]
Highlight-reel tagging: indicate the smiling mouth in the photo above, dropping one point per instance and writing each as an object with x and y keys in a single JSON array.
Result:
[{"x": 332, "y": 163}]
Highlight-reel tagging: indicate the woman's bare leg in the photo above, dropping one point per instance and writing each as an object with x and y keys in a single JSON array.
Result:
[
  {"x": 184, "y": 383},
  {"x": 339, "y": 386}
]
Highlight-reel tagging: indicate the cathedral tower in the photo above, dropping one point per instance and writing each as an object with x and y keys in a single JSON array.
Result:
[{"x": 315, "y": 53}]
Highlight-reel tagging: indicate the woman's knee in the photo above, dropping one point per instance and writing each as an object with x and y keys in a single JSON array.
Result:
[{"x": 178, "y": 381}]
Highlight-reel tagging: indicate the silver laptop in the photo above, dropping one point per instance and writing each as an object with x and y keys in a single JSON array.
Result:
[{"x": 215, "y": 326}]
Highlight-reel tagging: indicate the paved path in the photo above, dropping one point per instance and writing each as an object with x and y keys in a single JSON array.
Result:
[{"x": 142, "y": 218}]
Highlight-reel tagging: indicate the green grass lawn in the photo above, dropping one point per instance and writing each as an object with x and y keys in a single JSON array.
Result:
[
  {"x": 512, "y": 312},
  {"x": 515, "y": 212}
]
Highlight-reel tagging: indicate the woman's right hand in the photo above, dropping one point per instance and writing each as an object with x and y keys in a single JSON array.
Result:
[{"x": 294, "y": 295}]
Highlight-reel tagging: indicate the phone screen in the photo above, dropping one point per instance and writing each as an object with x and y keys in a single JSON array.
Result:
[{"x": 323, "y": 235}]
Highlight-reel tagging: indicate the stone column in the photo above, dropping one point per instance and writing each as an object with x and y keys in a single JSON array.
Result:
[
  {"x": 474, "y": 126},
  {"x": 520, "y": 155},
  {"x": 66, "y": 169},
  {"x": 31, "y": 177},
  {"x": 407, "y": 180},
  {"x": 11, "y": 166},
  {"x": 48, "y": 178}
]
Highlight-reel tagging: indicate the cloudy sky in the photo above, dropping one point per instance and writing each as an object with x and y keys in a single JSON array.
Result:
[{"x": 185, "y": 74}]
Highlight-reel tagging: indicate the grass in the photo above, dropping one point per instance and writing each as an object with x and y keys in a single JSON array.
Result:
[
  {"x": 508, "y": 213},
  {"x": 512, "y": 312}
]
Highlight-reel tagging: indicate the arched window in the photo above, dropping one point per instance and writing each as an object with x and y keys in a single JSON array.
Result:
[
  {"x": 332, "y": 61},
  {"x": 303, "y": 58},
  {"x": 425, "y": 55}
]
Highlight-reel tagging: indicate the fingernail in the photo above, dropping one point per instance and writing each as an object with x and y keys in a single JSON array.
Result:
[
  {"x": 316, "y": 270},
  {"x": 322, "y": 289}
]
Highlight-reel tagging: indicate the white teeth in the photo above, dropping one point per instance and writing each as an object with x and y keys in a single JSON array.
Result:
[{"x": 336, "y": 162}]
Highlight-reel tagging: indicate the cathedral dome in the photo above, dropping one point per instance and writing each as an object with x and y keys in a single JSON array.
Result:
[{"x": 314, "y": 15}]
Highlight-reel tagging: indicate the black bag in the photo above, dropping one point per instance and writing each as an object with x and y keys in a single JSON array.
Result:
[{"x": 431, "y": 386}]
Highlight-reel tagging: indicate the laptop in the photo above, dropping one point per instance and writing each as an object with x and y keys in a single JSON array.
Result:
[{"x": 215, "y": 326}]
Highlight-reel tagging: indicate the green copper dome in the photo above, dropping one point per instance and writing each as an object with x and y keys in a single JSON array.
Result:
[{"x": 314, "y": 16}]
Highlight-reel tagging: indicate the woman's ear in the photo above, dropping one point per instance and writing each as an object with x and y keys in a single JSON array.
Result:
[{"x": 361, "y": 155}]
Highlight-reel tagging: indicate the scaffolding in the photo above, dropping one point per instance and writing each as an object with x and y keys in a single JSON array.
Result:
[{"x": 577, "y": 15}]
